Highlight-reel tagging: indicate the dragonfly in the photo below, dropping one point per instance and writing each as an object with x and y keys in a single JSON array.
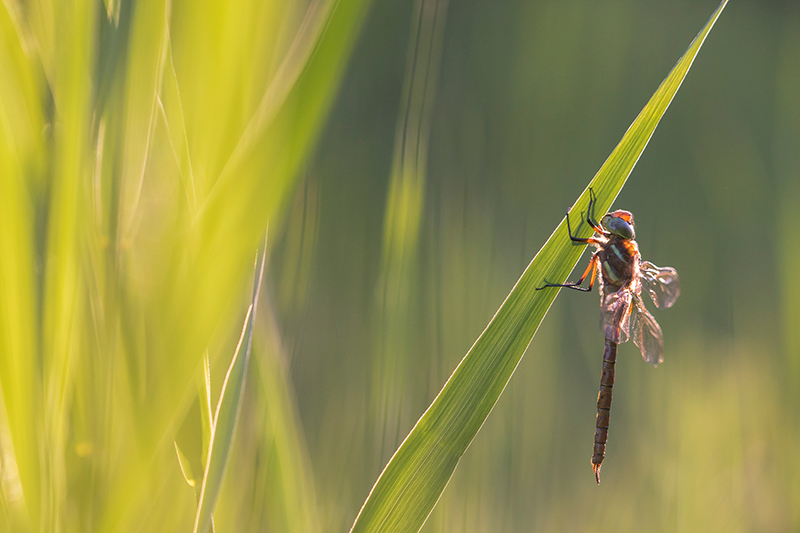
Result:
[{"x": 622, "y": 276}]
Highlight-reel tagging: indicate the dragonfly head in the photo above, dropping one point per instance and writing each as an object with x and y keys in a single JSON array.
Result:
[{"x": 619, "y": 223}]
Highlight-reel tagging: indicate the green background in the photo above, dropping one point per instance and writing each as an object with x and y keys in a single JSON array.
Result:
[{"x": 532, "y": 97}]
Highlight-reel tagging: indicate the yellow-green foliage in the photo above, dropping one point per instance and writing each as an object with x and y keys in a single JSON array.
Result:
[{"x": 145, "y": 146}]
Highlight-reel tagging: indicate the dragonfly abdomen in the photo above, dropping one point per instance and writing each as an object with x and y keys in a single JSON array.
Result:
[{"x": 604, "y": 406}]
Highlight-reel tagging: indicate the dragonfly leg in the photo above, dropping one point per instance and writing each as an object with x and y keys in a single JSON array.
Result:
[
  {"x": 590, "y": 213},
  {"x": 578, "y": 239},
  {"x": 590, "y": 272}
]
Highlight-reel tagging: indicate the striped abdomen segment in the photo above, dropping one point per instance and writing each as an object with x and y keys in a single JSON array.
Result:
[{"x": 604, "y": 406}]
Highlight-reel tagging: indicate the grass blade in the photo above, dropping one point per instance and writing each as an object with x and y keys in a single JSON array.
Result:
[
  {"x": 20, "y": 378},
  {"x": 227, "y": 415},
  {"x": 290, "y": 494},
  {"x": 206, "y": 413},
  {"x": 62, "y": 281},
  {"x": 405, "y": 205},
  {"x": 409, "y": 487},
  {"x": 146, "y": 61},
  {"x": 186, "y": 467}
]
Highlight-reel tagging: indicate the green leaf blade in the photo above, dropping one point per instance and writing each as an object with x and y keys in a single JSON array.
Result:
[
  {"x": 412, "y": 482},
  {"x": 226, "y": 417}
]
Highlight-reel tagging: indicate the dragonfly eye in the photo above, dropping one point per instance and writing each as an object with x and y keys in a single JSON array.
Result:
[{"x": 619, "y": 223}]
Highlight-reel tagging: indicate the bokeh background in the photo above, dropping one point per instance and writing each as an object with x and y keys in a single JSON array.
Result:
[
  {"x": 530, "y": 99},
  {"x": 409, "y": 159}
]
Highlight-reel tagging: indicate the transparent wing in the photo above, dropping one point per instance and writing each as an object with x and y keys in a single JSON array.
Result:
[
  {"x": 615, "y": 314},
  {"x": 646, "y": 333},
  {"x": 661, "y": 283}
]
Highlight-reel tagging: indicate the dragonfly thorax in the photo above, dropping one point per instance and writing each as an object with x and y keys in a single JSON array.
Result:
[{"x": 618, "y": 259}]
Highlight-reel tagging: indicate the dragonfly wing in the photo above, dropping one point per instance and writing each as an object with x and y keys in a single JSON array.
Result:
[
  {"x": 615, "y": 314},
  {"x": 646, "y": 333},
  {"x": 662, "y": 284}
]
